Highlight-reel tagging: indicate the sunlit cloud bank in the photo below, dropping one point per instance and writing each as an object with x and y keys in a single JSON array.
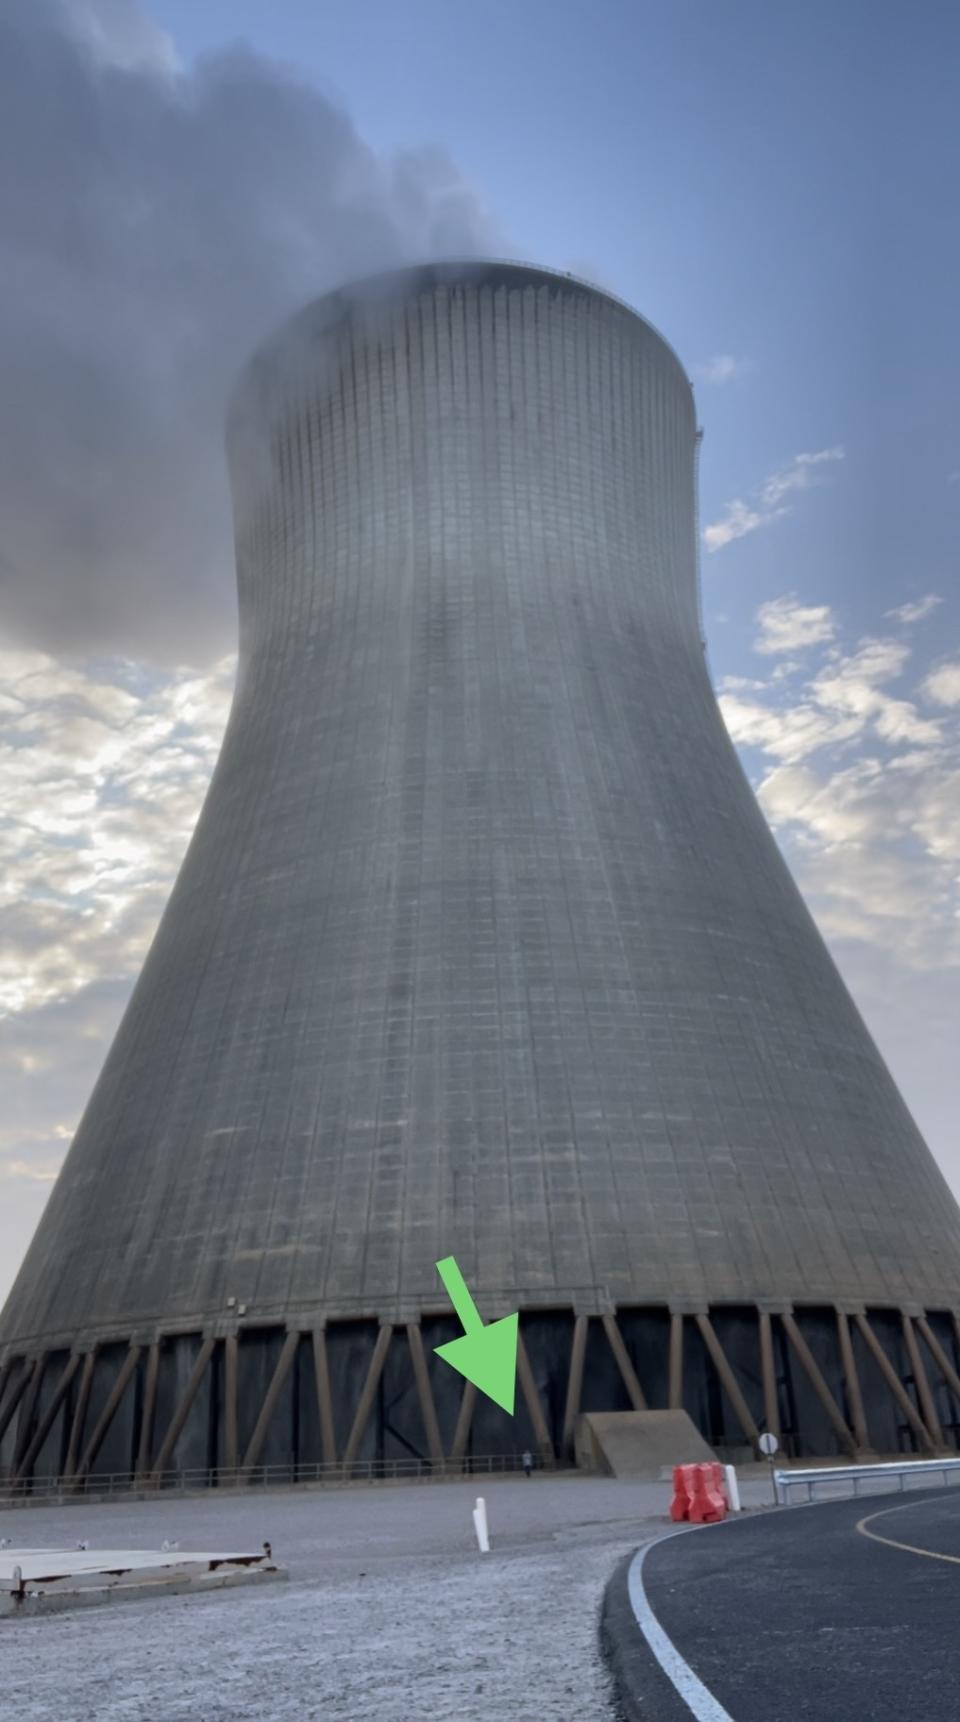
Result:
[
  {"x": 856, "y": 759},
  {"x": 103, "y": 769},
  {"x": 102, "y": 772}
]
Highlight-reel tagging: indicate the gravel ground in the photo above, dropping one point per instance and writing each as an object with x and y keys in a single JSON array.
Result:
[{"x": 389, "y": 1613}]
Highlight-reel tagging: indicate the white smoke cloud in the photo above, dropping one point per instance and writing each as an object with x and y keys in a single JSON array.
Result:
[
  {"x": 155, "y": 223},
  {"x": 119, "y": 33}
]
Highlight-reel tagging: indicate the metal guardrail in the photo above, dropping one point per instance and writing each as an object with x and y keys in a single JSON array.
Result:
[
  {"x": 883, "y": 1478},
  {"x": 44, "y": 1491}
]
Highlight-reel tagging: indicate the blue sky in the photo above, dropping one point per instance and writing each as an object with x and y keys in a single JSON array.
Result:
[{"x": 773, "y": 188}]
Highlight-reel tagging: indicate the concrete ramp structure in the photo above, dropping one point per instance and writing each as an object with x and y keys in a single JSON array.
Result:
[{"x": 638, "y": 1443}]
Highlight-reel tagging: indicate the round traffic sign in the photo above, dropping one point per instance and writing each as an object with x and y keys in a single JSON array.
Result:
[{"x": 768, "y": 1445}]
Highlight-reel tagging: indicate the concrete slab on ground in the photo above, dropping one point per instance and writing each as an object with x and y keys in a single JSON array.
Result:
[
  {"x": 48, "y": 1580},
  {"x": 50, "y": 1566}
]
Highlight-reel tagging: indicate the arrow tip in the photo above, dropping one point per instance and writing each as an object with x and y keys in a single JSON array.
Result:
[{"x": 488, "y": 1358}]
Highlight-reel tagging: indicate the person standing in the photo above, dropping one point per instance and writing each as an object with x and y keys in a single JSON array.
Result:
[{"x": 526, "y": 1461}]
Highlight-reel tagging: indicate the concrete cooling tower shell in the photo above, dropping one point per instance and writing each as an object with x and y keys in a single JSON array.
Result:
[{"x": 481, "y": 947}]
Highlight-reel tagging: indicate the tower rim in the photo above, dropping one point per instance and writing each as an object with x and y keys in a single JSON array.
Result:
[{"x": 326, "y": 310}]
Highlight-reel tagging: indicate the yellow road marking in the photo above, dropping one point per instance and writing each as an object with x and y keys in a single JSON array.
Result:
[{"x": 891, "y": 1542}]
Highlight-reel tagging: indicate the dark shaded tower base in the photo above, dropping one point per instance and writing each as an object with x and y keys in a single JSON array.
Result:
[{"x": 358, "y": 1396}]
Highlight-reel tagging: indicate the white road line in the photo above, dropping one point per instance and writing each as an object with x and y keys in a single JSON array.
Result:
[{"x": 700, "y": 1703}]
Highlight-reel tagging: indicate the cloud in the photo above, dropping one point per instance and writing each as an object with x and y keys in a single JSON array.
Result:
[
  {"x": 49, "y": 1058},
  {"x": 20, "y": 1169},
  {"x": 915, "y": 611},
  {"x": 863, "y": 793},
  {"x": 722, "y": 368},
  {"x": 844, "y": 701},
  {"x": 796, "y": 476},
  {"x": 789, "y": 733},
  {"x": 103, "y": 770},
  {"x": 158, "y": 221},
  {"x": 942, "y": 685},
  {"x": 737, "y": 522},
  {"x": 853, "y": 685},
  {"x": 103, "y": 767},
  {"x": 877, "y": 852},
  {"x": 769, "y": 504},
  {"x": 786, "y": 625}
]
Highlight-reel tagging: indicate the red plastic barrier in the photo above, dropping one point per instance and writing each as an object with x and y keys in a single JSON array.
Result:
[
  {"x": 682, "y": 1492},
  {"x": 708, "y": 1500},
  {"x": 699, "y": 1494},
  {"x": 720, "y": 1482}
]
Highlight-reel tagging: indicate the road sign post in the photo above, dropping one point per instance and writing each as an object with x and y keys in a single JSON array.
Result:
[{"x": 769, "y": 1447}]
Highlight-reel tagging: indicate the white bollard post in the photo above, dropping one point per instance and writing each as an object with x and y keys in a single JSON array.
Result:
[
  {"x": 733, "y": 1490},
  {"x": 480, "y": 1525}
]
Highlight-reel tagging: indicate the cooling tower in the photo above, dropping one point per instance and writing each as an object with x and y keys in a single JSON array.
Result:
[{"x": 481, "y": 947}]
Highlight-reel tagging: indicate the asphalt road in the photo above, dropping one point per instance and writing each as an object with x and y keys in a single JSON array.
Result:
[{"x": 844, "y": 1612}]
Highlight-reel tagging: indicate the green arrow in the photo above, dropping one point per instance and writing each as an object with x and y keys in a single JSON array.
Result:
[{"x": 487, "y": 1356}]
